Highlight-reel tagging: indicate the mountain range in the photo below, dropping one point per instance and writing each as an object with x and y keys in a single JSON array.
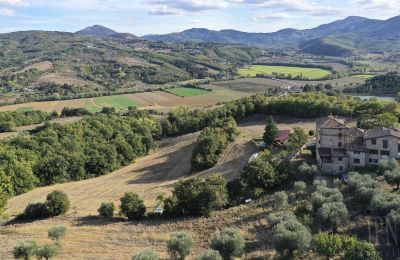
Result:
[{"x": 339, "y": 38}]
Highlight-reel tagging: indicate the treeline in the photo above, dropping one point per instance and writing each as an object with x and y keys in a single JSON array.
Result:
[
  {"x": 212, "y": 142},
  {"x": 91, "y": 147},
  {"x": 380, "y": 84},
  {"x": 11, "y": 119}
]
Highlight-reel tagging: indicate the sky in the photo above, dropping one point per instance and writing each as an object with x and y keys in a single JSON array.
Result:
[{"x": 142, "y": 17}]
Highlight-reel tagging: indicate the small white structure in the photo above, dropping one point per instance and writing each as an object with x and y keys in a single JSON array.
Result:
[{"x": 159, "y": 210}]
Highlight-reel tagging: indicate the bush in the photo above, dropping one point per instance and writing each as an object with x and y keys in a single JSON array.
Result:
[
  {"x": 290, "y": 237},
  {"x": 106, "y": 210},
  {"x": 229, "y": 243},
  {"x": 328, "y": 245},
  {"x": 57, "y": 203},
  {"x": 180, "y": 245},
  {"x": 132, "y": 206},
  {"x": 278, "y": 217},
  {"x": 387, "y": 165},
  {"x": 35, "y": 211},
  {"x": 47, "y": 251},
  {"x": 299, "y": 187},
  {"x": 57, "y": 233},
  {"x": 359, "y": 250},
  {"x": 25, "y": 250},
  {"x": 147, "y": 254},
  {"x": 393, "y": 177},
  {"x": 235, "y": 190},
  {"x": 209, "y": 255},
  {"x": 309, "y": 171},
  {"x": 323, "y": 195},
  {"x": 280, "y": 200}
]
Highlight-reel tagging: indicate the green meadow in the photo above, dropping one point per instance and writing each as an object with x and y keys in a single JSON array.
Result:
[{"x": 310, "y": 73}]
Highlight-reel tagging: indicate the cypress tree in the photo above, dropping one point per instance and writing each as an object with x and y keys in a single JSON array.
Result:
[{"x": 271, "y": 131}]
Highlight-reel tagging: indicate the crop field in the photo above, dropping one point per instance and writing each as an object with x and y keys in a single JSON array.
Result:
[
  {"x": 187, "y": 92},
  {"x": 363, "y": 76},
  {"x": 118, "y": 102},
  {"x": 310, "y": 73},
  {"x": 25, "y": 109}
]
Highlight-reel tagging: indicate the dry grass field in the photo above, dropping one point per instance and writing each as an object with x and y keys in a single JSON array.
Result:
[{"x": 91, "y": 238}]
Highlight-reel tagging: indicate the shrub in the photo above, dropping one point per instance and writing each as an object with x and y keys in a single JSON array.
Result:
[
  {"x": 278, "y": 217},
  {"x": 280, "y": 200},
  {"x": 235, "y": 190},
  {"x": 309, "y": 171},
  {"x": 132, "y": 206},
  {"x": 323, "y": 195},
  {"x": 146, "y": 254},
  {"x": 209, "y": 255},
  {"x": 387, "y": 165},
  {"x": 299, "y": 187},
  {"x": 393, "y": 177},
  {"x": 57, "y": 203},
  {"x": 106, "y": 210},
  {"x": 383, "y": 202},
  {"x": 47, "y": 251},
  {"x": 35, "y": 211},
  {"x": 326, "y": 244},
  {"x": 57, "y": 233},
  {"x": 359, "y": 250},
  {"x": 25, "y": 250},
  {"x": 290, "y": 237},
  {"x": 332, "y": 215},
  {"x": 229, "y": 243},
  {"x": 180, "y": 245}
]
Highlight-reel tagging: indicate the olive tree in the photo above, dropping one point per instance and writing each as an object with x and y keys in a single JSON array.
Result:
[
  {"x": 332, "y": 215},
  {"x": 393, "y": 177},
  {"x": 229, "y": 243},
  {"x": 57, "y": 233},
  {"x": 280, "y": 216},
  {"x": 383, "y": 202},
  {"x": 280, "y": 200},
  {"x": 57, "y": 203},
  {"x": 25, "y": 250},
  {"x": 299, "y": 187},
  {"x": 106, "y": 210},
  {"x": 290, "y": 237},
  {"x": 180, "y": 245},
  {"x": 47, "y": 251}
]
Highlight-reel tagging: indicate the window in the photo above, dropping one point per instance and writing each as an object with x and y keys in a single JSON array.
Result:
[
  {"x": 385, "y": 144},
  {"x": 340, "y": 135},
  {"x": 373, "y": 160},
  {"x": 373, "y": 141},
  {"x": 398, "y": 147},
  {"x": 357, "y": 161},
  {"x": 341, "y": 168},
  {"x": 340, "y": 159},
  {"x": 384, "y": 152},
  {"x": 340, "y": 144},
  {"x": 357, "y": 152},
  {"x": 373, "y": 151}
]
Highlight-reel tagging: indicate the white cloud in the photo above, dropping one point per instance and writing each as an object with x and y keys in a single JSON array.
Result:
[
  {"x": 192, "y": 5},
  {"x": 272, "y": 16},
  {"x": 14, "y": 3},
  {"x": 164, "y": 10},
  {"x": 6, "y": 12}
]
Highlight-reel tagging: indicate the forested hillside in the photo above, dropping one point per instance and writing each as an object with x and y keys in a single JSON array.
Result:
[
  {"x": 380, "y": 84},
  {"x": 39, "y": 64}
]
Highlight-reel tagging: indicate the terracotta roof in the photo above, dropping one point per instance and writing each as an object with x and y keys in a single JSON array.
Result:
[
  {"x": 331, "y": 122},
  {"x": 283, "y": 135},
  {"x": 382, "y": 132},
  {"x": 355, "y": 139}
]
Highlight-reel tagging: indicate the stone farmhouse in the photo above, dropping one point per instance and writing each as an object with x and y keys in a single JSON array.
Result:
[{"x": 340, "y": 148}]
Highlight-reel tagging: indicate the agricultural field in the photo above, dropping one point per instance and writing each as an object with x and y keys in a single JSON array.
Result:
[
  {"x": 310, "y": 73},
  {"x": 119, "y": 102},
  {"x": 92, "y": 238},
  {"x": 187, "y": 92},
  {"x": 363, "y": 76}
]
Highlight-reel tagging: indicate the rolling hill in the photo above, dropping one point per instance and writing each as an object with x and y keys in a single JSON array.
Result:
[{"x": 362, "y": 34}]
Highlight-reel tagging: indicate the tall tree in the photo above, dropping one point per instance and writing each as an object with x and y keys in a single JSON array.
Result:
[{"x": 271, "y": 131}]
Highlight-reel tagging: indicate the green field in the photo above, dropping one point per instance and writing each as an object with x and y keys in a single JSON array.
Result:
[
  {"x": 187, "y": 92},
  {"x": 25, "y": 109},
  {"x": 310, "y": 73},
  {"x": 119, "y": 102},
  {"x": 363, "y": 76}
]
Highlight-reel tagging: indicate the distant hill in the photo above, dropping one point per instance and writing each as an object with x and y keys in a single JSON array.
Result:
[
  {"x": 339, "y": 38},
  {"x": 101, "y": 31}
]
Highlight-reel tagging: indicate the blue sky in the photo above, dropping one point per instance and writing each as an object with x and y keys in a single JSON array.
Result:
[{"x": 142, "y": 17}]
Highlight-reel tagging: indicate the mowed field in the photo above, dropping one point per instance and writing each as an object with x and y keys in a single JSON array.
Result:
[
  {"x": 363, "y": 76},
  {"x": 187, "y": 92},
  {"x": 158, "y": 100},
  {"x": 92, "y": 238},
  {"x": 310, "y": 73}
]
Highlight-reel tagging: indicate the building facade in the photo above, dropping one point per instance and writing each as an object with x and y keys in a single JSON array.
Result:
[{"x": 340, "y": 148}]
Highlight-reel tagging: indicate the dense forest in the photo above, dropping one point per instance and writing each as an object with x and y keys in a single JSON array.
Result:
[
  {"x": 11, "y": 119},
  {"x": 102, "y": 143},
  {"x": 380, "y": 84}
]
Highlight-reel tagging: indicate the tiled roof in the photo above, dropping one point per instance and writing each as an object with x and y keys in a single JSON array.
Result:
[
  {"x": 283, "y": 135},
  {"x": 355, "y": 139},
  {"x": 381, "y": 132},
  {"x": 331, "y": 122}
]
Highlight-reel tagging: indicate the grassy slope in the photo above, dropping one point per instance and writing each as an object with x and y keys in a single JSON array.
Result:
[{"x": 187, "y": 92}]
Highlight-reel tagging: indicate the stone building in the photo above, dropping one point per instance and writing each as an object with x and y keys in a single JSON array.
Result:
[{"x": 340, "y": 148}]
